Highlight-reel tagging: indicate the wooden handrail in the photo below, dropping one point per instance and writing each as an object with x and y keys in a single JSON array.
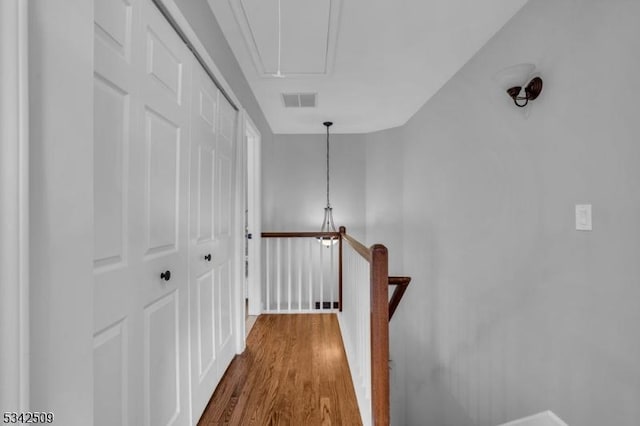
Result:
[
  {"x": 402, "y": 283},
  {"x": 357, "y": 245},
  {"x": 300, "y": 234},
  {"x": 399, "y": 280}
]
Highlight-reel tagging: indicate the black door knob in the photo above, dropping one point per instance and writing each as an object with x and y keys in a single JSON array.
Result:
[
  {"x": 166, "y": 275},
  {"x": 208, "y": 257}
]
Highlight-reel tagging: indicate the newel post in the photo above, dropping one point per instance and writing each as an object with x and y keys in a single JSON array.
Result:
[
  {"x": 380, "y": 335},
  {"x": 343, "y": 231}
]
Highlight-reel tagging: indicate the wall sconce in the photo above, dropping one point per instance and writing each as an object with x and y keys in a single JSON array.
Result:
[{"x": 512, "y": 78}]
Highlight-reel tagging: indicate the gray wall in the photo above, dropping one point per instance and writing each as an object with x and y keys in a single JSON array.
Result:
[
  {"x": 384, "y": 202},
  {"x": 294, "y": 185},
  {"x": 383, "y": 190},
  {"x": 511, "y": 310}
]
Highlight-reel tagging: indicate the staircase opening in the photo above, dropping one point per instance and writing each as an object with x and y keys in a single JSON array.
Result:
[{"x": 343, "y": 287}]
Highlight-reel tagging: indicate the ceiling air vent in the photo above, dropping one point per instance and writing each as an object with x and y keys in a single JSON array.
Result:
[{"x": 299, "y": 100}]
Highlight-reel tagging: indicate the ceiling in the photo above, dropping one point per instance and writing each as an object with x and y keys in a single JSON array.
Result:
[{"x": 372, "y": 63}]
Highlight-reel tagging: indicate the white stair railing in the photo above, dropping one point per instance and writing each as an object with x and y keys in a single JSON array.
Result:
[
  {"x": 332, "y": 272},
  {"x": 355, "y": 325},
  {"x": 300, "y": 272},
  {"x": 364, "y": 322}
]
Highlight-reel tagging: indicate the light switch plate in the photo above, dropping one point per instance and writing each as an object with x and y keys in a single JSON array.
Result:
[{"x": 583, "y": 217}]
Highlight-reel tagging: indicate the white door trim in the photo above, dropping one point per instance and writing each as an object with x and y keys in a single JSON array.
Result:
[
  {"x": 14, "y": 199},
  {"x": 255, "y": 214},
  {"x": 238, "y": 227}
]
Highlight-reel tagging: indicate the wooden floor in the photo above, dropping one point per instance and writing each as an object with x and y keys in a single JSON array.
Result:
[{"x": 293, "y": 372}]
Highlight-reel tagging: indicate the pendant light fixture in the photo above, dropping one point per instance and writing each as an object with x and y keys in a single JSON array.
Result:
[{"x": 327, "y": 223}]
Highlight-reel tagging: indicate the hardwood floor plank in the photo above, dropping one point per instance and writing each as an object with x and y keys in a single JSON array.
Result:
[{"x": 293, "y": 372}]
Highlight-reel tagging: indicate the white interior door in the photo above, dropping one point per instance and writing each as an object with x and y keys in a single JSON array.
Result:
[
  {"x": 203, "y": 280},
  {"x": 117, "y": 311},
  {"x": 212, "y": 170},
  {"x": 142, "y": 79},
  {"x": 161, "y": 180}
]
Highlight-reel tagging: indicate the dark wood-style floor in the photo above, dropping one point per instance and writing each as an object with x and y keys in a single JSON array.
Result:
[{"x": 294, "y": 372}]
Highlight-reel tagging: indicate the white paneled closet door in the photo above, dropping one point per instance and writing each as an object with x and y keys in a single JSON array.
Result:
[
  {"x": 161, "y": 207},
  {"x": 212, "y": 170},
  {"x": 142, "y": 89},
  {"x": 204, "y": 124},
  {"x": 117, "y": 315}
]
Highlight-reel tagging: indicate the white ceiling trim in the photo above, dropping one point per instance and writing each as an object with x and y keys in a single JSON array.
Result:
[{"x": 249, "y": 36}]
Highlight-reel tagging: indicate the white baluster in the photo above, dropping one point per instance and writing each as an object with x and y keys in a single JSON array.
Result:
[
  {"x": 289, "y": 274},
  {"x": 278, "y": 274},
  {"x": 310, "y": 271},
  {"x": 321, "y": 276},
  {"x": 332, "y": 277},
  {"x": 299, "y": 257},
  {"x": 268, "y": 271}
]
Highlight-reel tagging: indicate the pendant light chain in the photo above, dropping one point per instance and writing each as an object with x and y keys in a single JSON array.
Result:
[
  {"x": 328, "y": 203},
  {"x": 327, "y": 223}
]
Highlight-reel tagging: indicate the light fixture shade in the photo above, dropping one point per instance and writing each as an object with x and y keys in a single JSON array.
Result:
[
  {"x": 328, "y": 226},
  {"x": 514, "y": 76}
]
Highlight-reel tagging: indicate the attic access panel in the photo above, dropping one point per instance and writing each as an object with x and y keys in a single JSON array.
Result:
[{"x": 308, "y": 35}]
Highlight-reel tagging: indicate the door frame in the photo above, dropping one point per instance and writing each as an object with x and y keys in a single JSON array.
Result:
[
  {"x": 14, "y": 198},
  {"x": 254, "y": 220}
]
